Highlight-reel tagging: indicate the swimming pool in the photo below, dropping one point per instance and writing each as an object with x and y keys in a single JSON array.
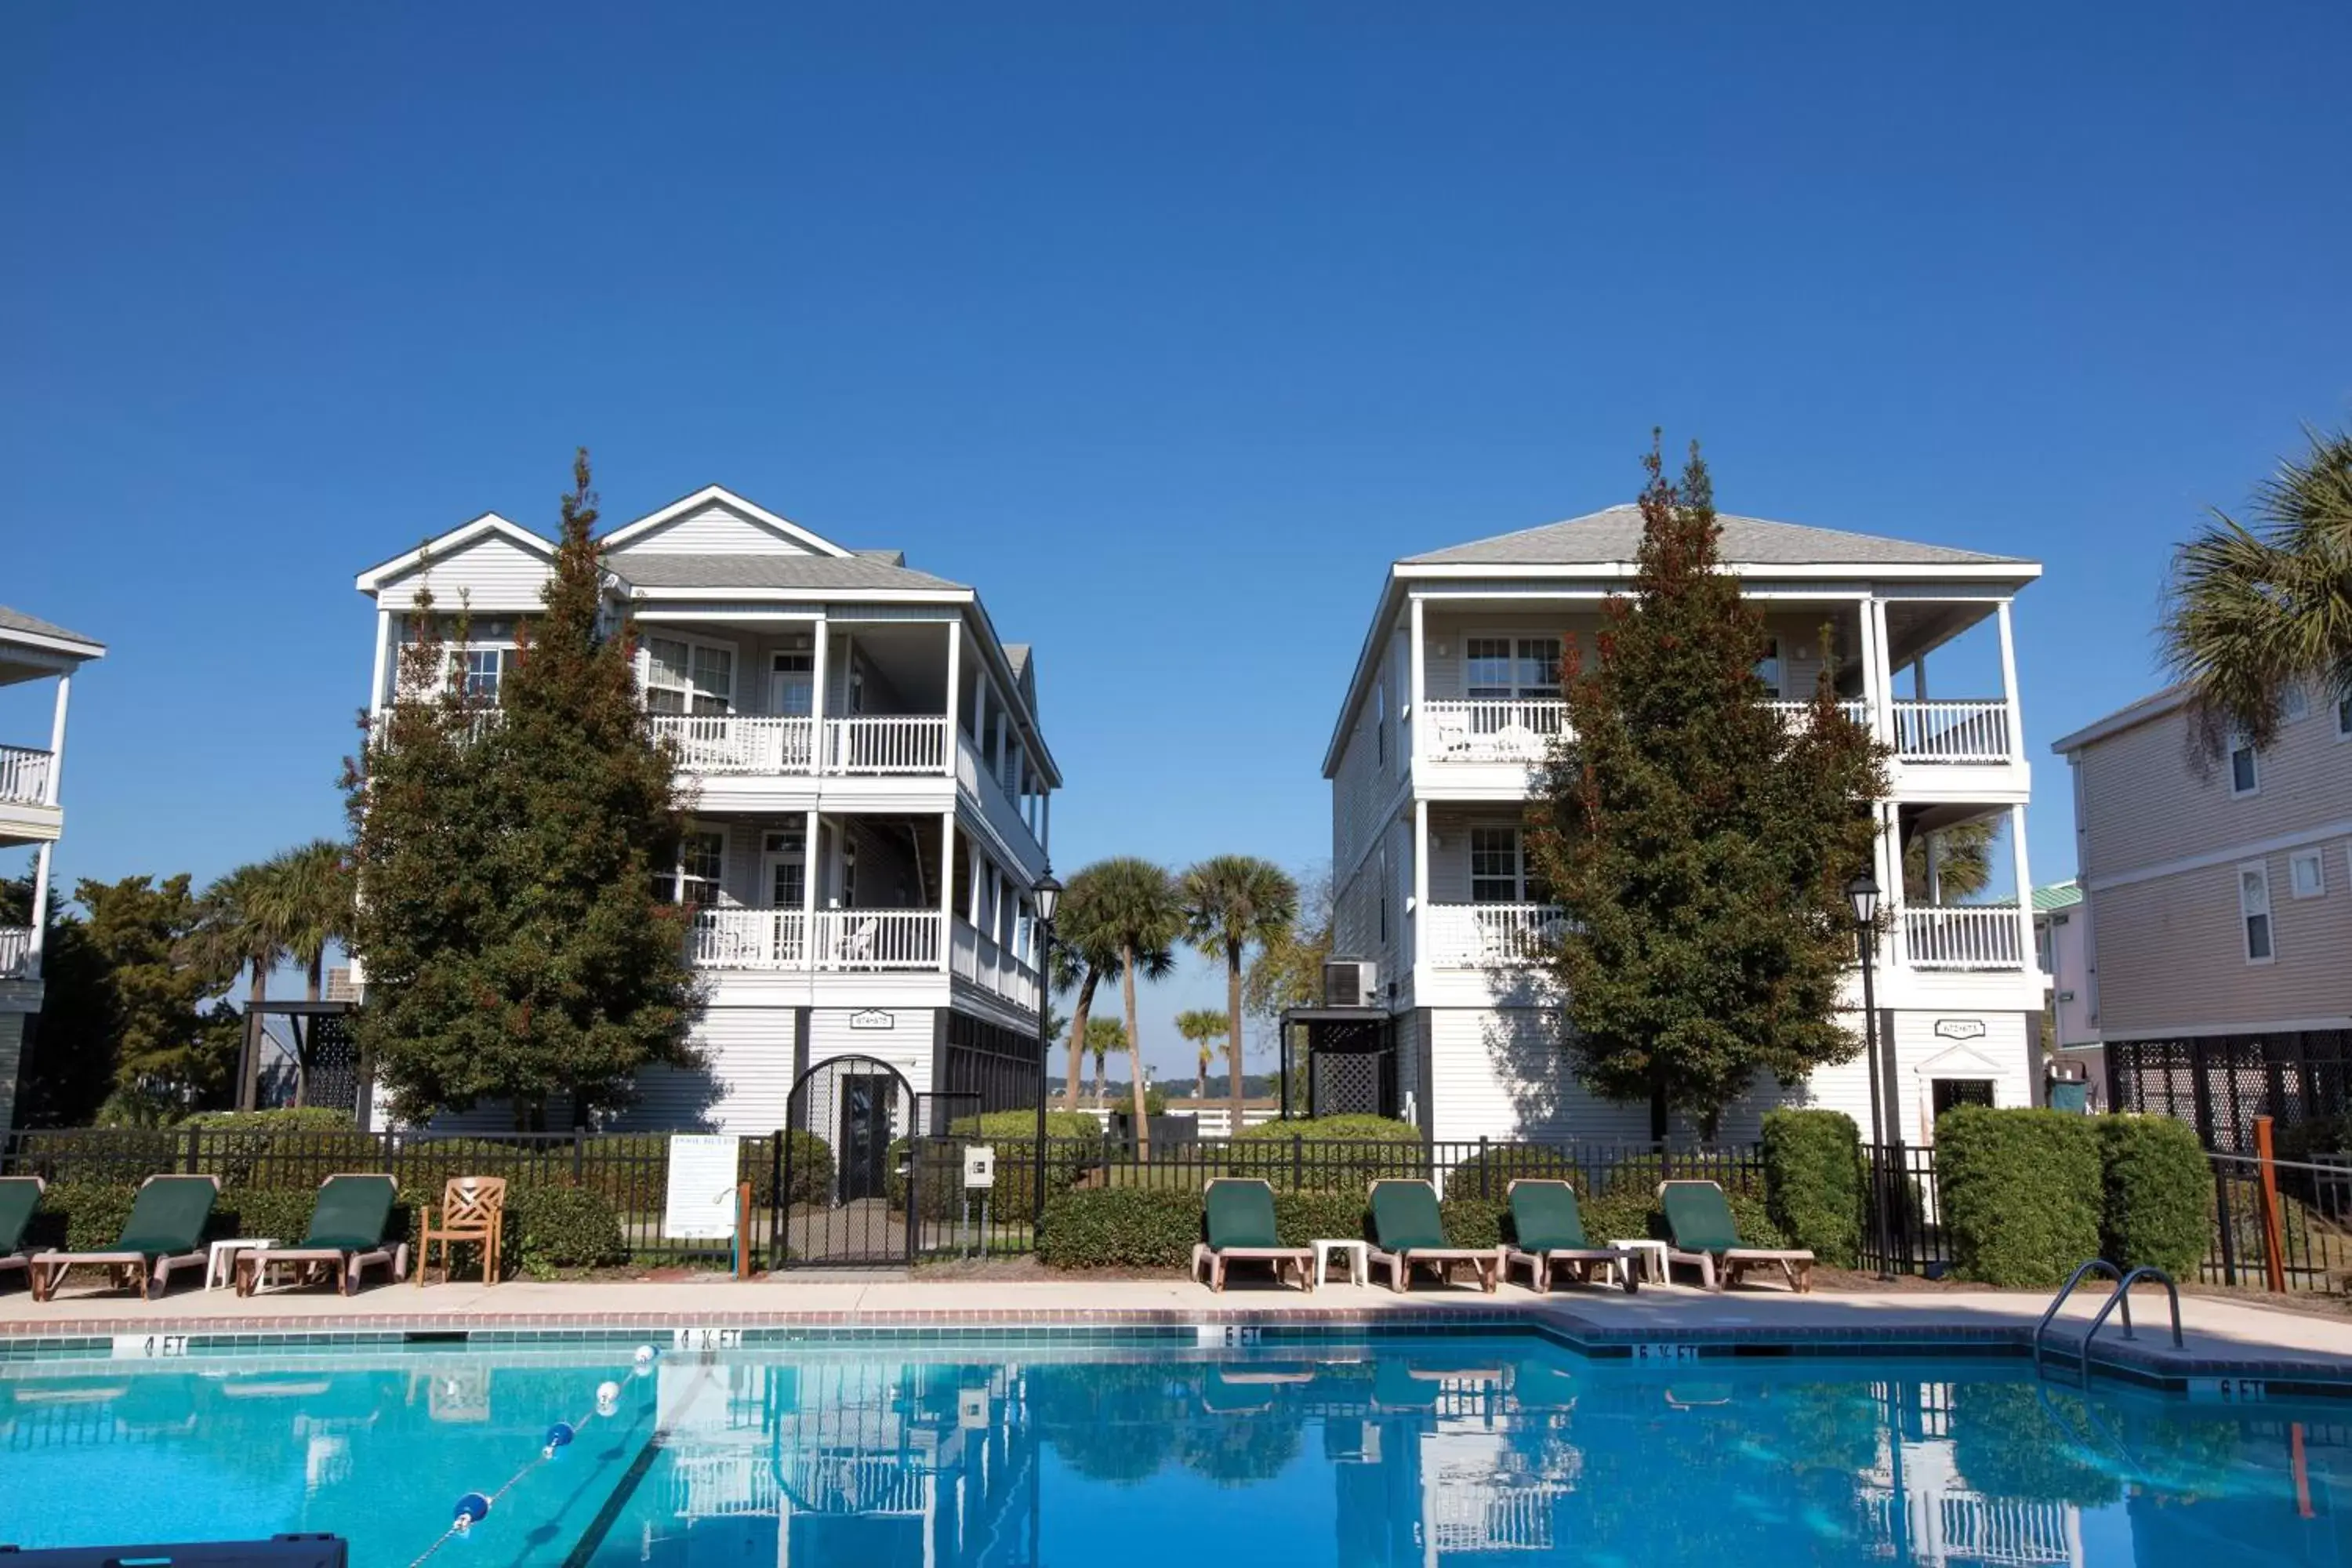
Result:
[{"x": 1417, "y": 1449}]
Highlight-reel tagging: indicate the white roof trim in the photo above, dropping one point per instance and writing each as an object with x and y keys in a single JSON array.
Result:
[
  {"x": 2154, "y": 706},
  {"x": 801, "y": 595},
  {"x": 622, "y": 536},
  {"x": 2000, "y": 572},
  {"x": 72, "y": 650},
  {"x": 376, "y": 577}
]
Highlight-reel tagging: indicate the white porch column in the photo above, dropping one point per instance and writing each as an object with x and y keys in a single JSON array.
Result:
[
  {"x": 812, "y": 870},
  {"x": 1419, "y": 867},
  {"x": 2025, "y": 887},
  {"x": 947, "y": 890},
  {"x": 2009, "y": 687},
  {"x": 1045, "y": 823},
  {"x": 57, "y": 736},
  {"x": 819, "y": 752},
  {"x": 40, "y": 911},
  {"x": 980, "y": 711},
  {"x": 955, "y": 691},
  {"x": 1877, "y": 681},
  {"x": 383, "y": 638},
  {"x": 1417, "y": 683}
]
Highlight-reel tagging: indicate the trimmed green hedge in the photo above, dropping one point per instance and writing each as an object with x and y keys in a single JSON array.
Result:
[
  {"x": 1490, "y": 1172},
  {"x": 1119, "y": 1227},
  {"x": 557, "y": 1228},
  {"x": 2157, "y": 1203},
  {"x": 2021, "y": 1193},
  {"x": 1813, "y": 1182}
]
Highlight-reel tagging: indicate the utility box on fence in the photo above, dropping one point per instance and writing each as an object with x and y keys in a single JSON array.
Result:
[{"x": 979, "y": 1167}]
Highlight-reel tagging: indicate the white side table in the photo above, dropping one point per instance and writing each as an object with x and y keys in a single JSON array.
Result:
[
  {"x": 220, "y": 1265},
  {"x": 1651, "y": 1255},
  {"x": 1358, "y": 1254}
]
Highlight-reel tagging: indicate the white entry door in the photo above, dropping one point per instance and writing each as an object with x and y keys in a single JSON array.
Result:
[
  {"x": 783, "y": 878},
  {"x": 792, "y": 679}
]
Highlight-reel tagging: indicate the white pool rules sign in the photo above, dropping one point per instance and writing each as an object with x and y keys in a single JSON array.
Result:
[{"x": 701, "y": 1199}]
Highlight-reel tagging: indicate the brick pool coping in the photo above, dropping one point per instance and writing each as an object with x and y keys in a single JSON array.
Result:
[{"x": 2262, "y": 1351}]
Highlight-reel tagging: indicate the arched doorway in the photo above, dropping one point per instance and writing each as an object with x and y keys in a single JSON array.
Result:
[{"x": 840, "y": 1195}]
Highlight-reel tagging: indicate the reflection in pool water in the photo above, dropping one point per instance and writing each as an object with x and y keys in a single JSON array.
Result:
[{"x": 1422, "y": 1451}]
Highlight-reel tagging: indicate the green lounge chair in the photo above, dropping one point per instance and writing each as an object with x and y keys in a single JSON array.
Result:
[
  {"x": 165, "y": 1233},
  {"x": 1706, "y": 1235},
  {"x": 19, "y": 1196},
  {"x": 1551, "y": 1235},
  {"x": 1407, "y": 1230},
  {"x": 347, "y": 1234},
  {"x": 1237, "y": 1213}
]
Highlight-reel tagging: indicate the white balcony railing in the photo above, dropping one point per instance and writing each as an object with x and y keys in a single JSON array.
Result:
[
  {"x": 23, "y": 775},
  {"x": 738, "y": 743},
  {"x": 1490, "y": 936},
  {"x": 1457, "y": 730},
  {"x": 842, "y": 939},
  {"x": 1791, "y": 712},
  {"x": 1973, "y": 936},
  {"x": 17, "y": 960},
  {"x": 980, "y": 781},
  {"x": 1971, "y": 731},
  {"x": 886, "y": 744},
  {"x": 980, "y": 958}
]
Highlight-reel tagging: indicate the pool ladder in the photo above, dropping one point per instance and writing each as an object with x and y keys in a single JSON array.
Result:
[{"x": 2119, "y": 1296}]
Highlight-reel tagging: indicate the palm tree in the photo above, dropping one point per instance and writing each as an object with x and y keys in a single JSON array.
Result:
[
  {"x": 2254, "y": 612},
  {"x": 236, "y": 931},
  {"x": 304, "y": 895},
  {"x": 1140, "y": 909},
  {"x": 1205, "y": 1027},
  {"x": 1104, "y": 1036},
  {"x": 1085, "y": 953},
  {"x": 1231, "y": 903}
]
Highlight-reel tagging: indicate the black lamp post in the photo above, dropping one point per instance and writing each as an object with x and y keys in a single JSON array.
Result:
[
  {"x": 1048, "y": 896},
  {"x": 1863, "y": 894}
]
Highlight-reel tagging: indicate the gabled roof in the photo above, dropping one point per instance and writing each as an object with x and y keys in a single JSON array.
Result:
[
  {"x": 17, "y": 626},
  {"x": 620, "y": 537},
  {"x": 648, "y": 569},
  {"x": 1613, "y": 535},
  {"x": 464, "y": 534},
  {"x": 2155, "y": 705}
]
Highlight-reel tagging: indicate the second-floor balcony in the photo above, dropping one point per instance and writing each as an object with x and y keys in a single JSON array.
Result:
[
  {"x": 1965, "y": 938},
  {"x": 23, "y": 775},
  {"x": 1962, "y": 937},
  {"x": 871, "y": 744},
  {"x": 856, "y": 941},
  {"x": 1455, "y": 730}
]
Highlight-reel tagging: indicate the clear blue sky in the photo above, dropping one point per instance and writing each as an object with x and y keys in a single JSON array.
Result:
[{"x": 1167, "y": 326}]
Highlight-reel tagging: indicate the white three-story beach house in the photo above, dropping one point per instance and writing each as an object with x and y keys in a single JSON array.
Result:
[
  {"x": 32, "y": 811},
  {"x": 1453, "y": 701},
  {"x": 871, "y": 795}
]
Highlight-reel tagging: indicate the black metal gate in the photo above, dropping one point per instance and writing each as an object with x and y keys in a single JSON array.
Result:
[{"x": 840, "y": 1193}]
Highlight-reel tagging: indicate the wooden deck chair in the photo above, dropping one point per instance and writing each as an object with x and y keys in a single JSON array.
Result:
[{"x": 473, "y": 1208}]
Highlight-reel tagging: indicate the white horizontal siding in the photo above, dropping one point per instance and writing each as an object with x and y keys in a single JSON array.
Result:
[
  {"x": 905, "y": 1044},
  {"x": 713, "y": 528},
  {"x": 488, "y": 572},
  {"x": 741, "y": 1088}
]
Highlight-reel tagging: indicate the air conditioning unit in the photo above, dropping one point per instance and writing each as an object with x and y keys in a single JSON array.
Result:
[{"x": 1350, "y": 982}]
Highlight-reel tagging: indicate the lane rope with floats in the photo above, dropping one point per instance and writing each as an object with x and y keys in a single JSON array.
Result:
[{"x": 475, "y": 1507}]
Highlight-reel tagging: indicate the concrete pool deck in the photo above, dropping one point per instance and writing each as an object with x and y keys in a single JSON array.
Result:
[{"x": 2225, "y": 1339}]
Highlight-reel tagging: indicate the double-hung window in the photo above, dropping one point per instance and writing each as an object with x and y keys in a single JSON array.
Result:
[
  {"x": 2245, "y": 770},
  {"x": 484, "y": 666},
  {"x": 701, "y": 860},
  {"x": 1516, "y": 680},
  {"x": 2306, "y": 874},
  {"x": 1499, "y": 872},
  {"x": 2254, "y": 910},
  {"x": 689, "y": 676}
]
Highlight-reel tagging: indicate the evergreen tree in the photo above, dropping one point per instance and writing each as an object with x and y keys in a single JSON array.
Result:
[
  {"x": 1699, "y": 843},
  {"x": 515, "y": 947}
]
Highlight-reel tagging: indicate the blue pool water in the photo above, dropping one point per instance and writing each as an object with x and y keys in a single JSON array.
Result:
[{"x": 1408, "y": 1452}]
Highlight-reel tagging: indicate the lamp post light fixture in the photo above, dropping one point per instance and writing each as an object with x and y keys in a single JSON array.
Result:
[
  {"x": 1048, "y": 895},
  {"x": 1863, "y": 894}
]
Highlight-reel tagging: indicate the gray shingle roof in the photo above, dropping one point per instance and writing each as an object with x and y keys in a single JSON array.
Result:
[
  {"x": 18, "y": 621},
  {"x": 650, "y": 570},
  {"x": 1612, "y": 535}
]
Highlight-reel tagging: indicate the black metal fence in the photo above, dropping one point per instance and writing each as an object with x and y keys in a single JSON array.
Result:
[
  {"x": 1903, "y": 1221},
  {"x": 2308, "y": 1220}
]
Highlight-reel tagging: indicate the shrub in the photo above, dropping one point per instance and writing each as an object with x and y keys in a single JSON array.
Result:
[
  {"x": 1074, "y": 1143},
  {"x": 2158, "y": 1194},
  {"x": 1329, "y": 1153},
  {"x": 1490, "y": 1172},
  {"x": 1641, "y": 1173},
  {"x": 1631, "y": 1215},
  {"x": 282, "y": 1213},
  {"x": 1813, "y": 1182},
  {"x": 2021, "y": 1193},
  {"x": 1475, "y": 1222},
  {"x": 1303, "y": 1217},
  {"x": 86, "y": 1156},
  {"x": 558, "y": 1228},
  {"x": 280, "y": 1148},
  {"x": 84, "y": 1216},
  {"x": 1119, "y": 1227}
]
